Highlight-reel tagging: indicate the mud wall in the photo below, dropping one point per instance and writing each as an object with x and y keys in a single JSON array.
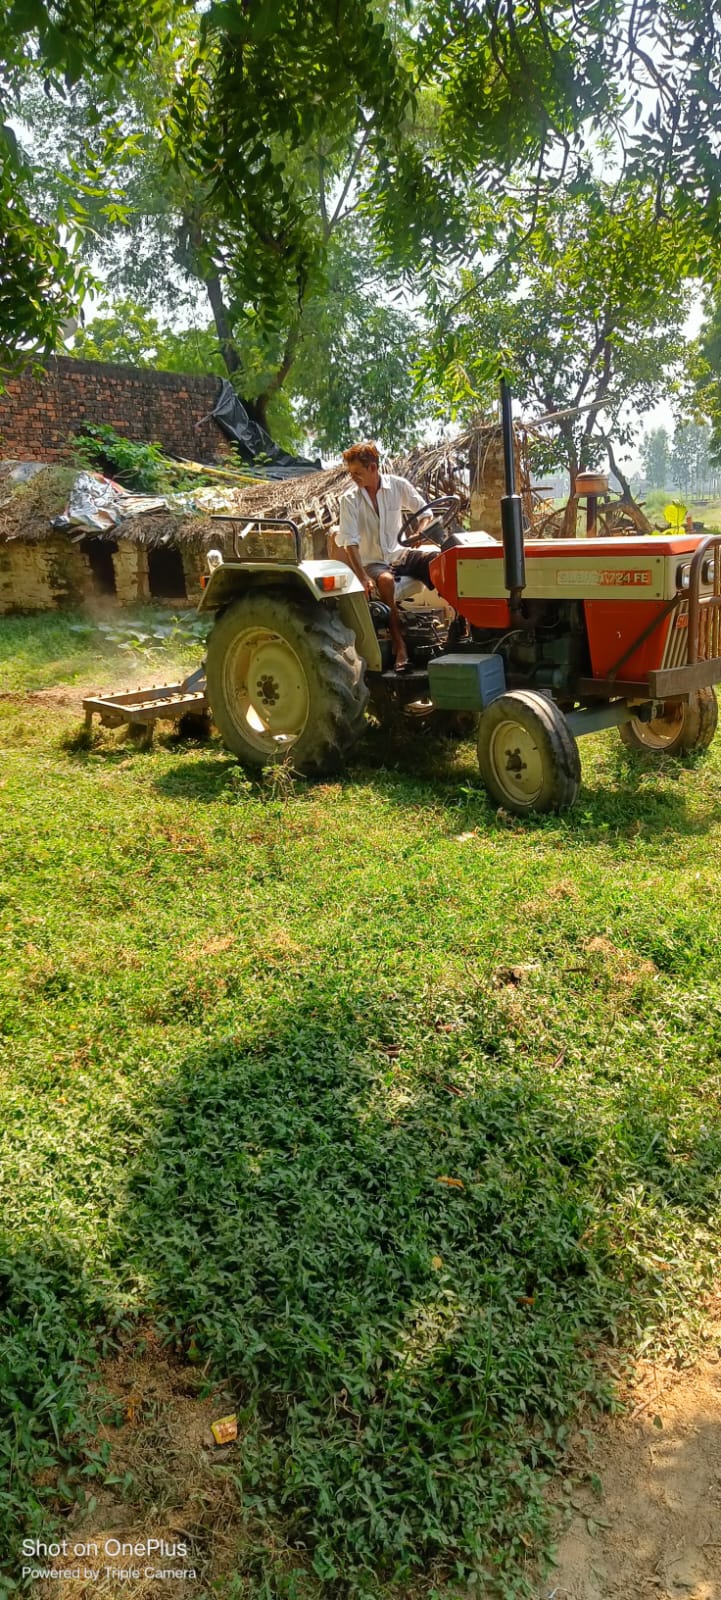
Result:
[
  {"x": 488, "y": 483},
  {"x": 52, "y": 573},
  {"x": 39, "y": 413}
]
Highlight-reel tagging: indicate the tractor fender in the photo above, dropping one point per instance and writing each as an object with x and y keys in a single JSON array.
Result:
[
  {"x": 355, "y": 612},
  {"x": 322, "y": 581}
]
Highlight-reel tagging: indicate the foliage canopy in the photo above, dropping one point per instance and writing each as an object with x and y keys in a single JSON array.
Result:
[
  {"x": 419, "y": 112},
  {"x": 587, "y": 318}
]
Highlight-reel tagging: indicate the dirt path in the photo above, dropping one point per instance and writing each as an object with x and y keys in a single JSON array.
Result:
[
  {"x": 185, "y": 1515},
  {"x": 655, "y": 1530},
  {"x": 67, "y": 698}
]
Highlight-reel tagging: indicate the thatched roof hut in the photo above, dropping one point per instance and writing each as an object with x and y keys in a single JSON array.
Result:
[{"x": 160, "y": 553}]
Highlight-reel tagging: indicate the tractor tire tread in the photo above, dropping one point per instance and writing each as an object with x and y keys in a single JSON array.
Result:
[{"x": 337, "y": 718}]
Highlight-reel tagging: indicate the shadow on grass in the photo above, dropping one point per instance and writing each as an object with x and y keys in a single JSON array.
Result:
[
  {"x": 393, "y": 1274},
  {"x": 49, "y": 1312},
  {"x": 400, "y": 1257},
  {"x": 444, "y": 776},
  {"x": 84, "y": 750},
  {"x": 423, "y": 768}
]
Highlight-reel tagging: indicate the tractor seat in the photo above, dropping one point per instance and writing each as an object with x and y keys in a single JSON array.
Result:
[{"x": 405, "y": 587}]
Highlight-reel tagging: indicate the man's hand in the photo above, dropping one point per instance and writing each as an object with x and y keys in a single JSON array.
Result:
[{"x": 351, "y": 554}]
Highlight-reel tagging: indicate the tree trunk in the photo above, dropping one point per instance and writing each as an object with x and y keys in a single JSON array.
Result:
[
  {"x": 194, "y": 256},
  {"x": 257, "y": 409},
  {"x": 571, "y": 510},
  {"x": 626, "y": 495},
  {"x": 279, "y": 376},
  {"x": 222, "y": 324}
]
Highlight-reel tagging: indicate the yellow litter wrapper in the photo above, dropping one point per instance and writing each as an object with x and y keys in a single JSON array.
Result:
[{"x": 225, "y": 1429}]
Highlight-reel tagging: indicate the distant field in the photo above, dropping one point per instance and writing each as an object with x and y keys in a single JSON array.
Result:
[
  {"x": 385, "y": 1111},
  {"x": 706, "y": 511}
]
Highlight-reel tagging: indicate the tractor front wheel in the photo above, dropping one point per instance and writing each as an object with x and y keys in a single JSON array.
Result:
[
  {"x": 681, "y": 727},
  {"x": 285, "y": 681},
  {"x": 527, "y": 754}
]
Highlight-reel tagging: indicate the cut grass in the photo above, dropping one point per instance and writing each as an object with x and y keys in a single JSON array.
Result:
[
  {"x": 71, "y": 648},
  {"x": 251, "y": 1030}
]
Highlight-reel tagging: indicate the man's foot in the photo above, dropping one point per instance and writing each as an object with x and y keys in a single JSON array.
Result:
[{"x": 402, "y": 663}]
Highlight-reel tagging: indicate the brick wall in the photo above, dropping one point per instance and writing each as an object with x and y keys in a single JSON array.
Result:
[{"x": 37, "y": 414}]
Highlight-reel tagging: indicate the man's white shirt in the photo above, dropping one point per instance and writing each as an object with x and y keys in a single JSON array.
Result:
[{"x": 377, "y": 532}]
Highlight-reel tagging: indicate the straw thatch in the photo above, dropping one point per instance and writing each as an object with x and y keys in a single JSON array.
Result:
[{"x": 455, "y": 467}]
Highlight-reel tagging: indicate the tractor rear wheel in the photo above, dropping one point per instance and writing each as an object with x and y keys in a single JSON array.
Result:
[
  {"x": 285, "y": 681},
  {"x": 527, "y": 754},
  {"x": 681, "y": 728}
]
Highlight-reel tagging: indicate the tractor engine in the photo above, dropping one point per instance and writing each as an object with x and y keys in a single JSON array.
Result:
[
  {"x": 425, "y": 629},
  {"x": 550, "y": 651}
]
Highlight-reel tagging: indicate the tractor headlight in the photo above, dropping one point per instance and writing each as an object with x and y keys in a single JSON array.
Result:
[
  {"x": 215, "y": 559},
  {"x": 708, "y": 569},
  {"x": 683, "y": 577}
]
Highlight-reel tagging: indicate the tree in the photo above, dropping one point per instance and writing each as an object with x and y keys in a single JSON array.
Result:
[
  {"x": 656, "y": 459},
  {"x": 453, "y": 126},
  {"x": 682, "y": 459},
  {"x": 707, "y": 373},
  {"x": 125, "y": 333},
  {"x": 533, "y": 91},
  {"x": 340, "y": 358},
  {"x": 353, "y": 373},
  {"x": 587, "y": 321},
  {"x": 40, "y": 282},
  {"x": 523, "y": 93},
  {"x": 691, "y": 466}
]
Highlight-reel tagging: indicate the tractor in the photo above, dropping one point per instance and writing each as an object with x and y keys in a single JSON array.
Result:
[{"x": 538, "y": 641}]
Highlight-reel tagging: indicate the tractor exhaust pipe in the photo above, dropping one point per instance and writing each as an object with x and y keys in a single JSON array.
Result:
[{"x": 514, "y": 560}]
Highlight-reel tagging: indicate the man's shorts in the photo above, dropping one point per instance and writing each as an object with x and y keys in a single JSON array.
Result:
[{"x": 408, "y": 569}]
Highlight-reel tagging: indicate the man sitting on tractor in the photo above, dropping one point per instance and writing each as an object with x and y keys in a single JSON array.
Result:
[{"x": 371, "y": 517}]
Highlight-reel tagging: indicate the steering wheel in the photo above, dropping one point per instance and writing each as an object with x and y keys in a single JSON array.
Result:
[{"x": 445, "y": 507}]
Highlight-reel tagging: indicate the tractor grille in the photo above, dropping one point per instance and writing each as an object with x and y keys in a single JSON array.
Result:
[
  {"x": 676, "y": 648},
  {"x": 704, "y": 613},
  {"x": 709, "y": 627}
]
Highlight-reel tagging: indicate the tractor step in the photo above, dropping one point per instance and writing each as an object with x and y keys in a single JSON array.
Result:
[{"x": 416, "y": 675}]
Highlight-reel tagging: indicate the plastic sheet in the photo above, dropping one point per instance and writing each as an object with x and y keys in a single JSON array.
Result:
[
  {"x": 94, "y": 504},
  {"x": 98, "y": 505},
  {"x": 253, "y": 442}
]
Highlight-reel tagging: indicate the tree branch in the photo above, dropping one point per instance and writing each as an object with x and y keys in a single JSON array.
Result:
[
  {"x": 322, "y": 195},
  {"x": 616, "y": 470},
  {"x": 337, "y": 217},
  {"x": 593, "y": 354}
]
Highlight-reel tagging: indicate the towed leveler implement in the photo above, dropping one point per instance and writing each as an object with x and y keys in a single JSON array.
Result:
[{"x": 144, "y": 706}]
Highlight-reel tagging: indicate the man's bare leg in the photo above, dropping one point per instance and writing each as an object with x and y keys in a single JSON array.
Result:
[{"x": 385, "y": 585}]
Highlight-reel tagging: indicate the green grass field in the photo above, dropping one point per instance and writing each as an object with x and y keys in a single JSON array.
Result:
[{"x": 251, "y": 1028}]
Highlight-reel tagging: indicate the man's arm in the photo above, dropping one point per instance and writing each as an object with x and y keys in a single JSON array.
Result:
[
  {"x": 348, "y": 541},
  {"x": 352, "y": 553},
  {"x": 412, "y": 500}
]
